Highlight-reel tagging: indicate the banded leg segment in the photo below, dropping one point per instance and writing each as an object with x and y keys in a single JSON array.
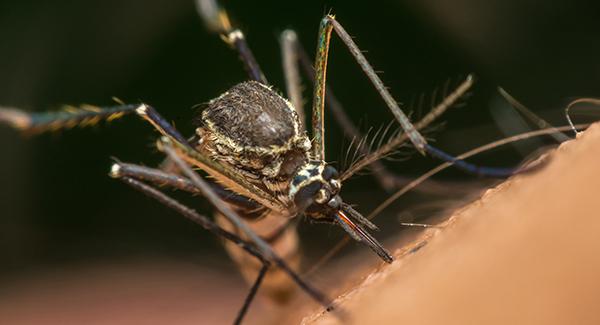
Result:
[
  {"x": 86, "y": 115},
  {"x": 329, "y": 24},
  {"x": 217, "y": 20},
  {"x": 66, "y": 118}
]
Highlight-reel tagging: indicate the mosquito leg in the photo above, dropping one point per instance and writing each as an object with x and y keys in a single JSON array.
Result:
[
  {"x": 192, "y": 215},
  {"x": 168, "y": 166},
  {"x": 161, "y": 178},
  {"x": 217, "y": 20},
  {"x": 226, "y": 211},
  {"x": 328, "y": 24},
  {"x": 215, "y": 200},
  {"x": 209, "y": 225},
  {"x": 66, "y": 118},
  {"x": 152, "y": 116},
  {"x": 83, "y": 116},
  {"x": 251, "y": 293}
]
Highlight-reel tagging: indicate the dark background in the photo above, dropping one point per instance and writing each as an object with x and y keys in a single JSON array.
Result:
[{"x": 58, "y": 206}]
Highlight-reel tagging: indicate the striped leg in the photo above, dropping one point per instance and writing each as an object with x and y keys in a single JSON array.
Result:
[
  {"x": 85, "y": 115},
  {"x": 66, "y": 118}
]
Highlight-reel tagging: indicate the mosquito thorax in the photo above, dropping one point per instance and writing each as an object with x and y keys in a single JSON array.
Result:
[
  {"x": 315, "y": 188},
  {"x": 254, "y": 129}
]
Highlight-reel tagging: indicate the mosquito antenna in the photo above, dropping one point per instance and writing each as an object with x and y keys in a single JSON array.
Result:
[{"x": 519, "y": 137}]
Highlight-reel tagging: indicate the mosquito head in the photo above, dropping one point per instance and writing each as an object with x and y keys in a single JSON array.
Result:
[
  {"x": 315, "y": 191},
  {"x": 315, "y": 187}
]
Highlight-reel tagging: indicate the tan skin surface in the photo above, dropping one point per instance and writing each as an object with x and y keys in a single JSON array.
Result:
[{"x": 527, "y": 252}]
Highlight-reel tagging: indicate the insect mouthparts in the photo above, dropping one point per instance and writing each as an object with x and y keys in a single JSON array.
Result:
[{"x": 361, "y": 235}]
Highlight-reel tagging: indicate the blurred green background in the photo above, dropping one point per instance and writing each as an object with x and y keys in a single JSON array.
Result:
[{"x": 58, "y": 206}]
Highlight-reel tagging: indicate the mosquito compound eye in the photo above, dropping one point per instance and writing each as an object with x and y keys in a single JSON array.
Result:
[{"x": 322, "y": 196}]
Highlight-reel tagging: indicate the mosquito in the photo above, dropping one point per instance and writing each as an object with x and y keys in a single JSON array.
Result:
[{"x": 261, "y": 168}]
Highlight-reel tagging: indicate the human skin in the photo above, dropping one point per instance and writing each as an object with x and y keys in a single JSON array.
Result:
[{"x": 526, "y": 252}]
